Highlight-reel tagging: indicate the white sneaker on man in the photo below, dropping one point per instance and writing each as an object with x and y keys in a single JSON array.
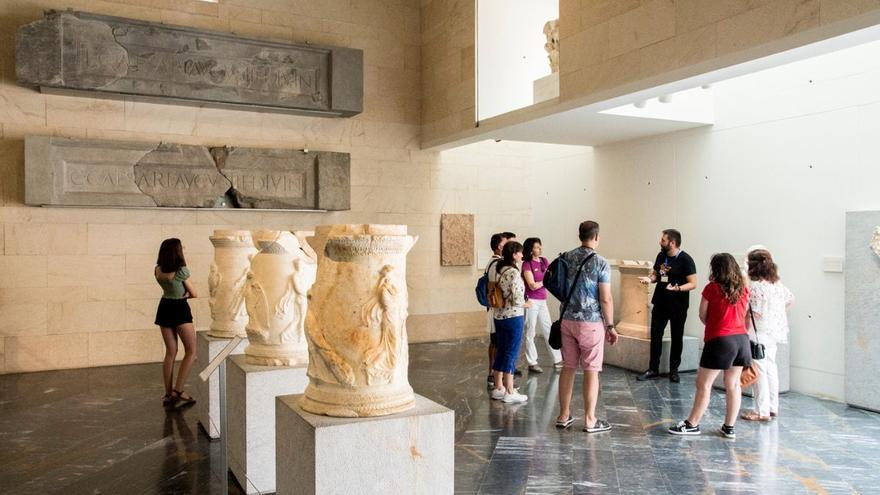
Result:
[
  {"x": 498, "y": 393},
  {"x": 515, "y": 397}
]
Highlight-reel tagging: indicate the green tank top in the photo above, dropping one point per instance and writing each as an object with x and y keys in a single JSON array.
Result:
[{"x": 174, "y": 289}]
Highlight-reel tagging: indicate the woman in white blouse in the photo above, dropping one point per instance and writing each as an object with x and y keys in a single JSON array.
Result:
[{"x": 769, "y": 300}]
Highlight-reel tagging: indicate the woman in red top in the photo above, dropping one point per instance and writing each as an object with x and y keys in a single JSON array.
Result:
[{"x": 723, "y": 311}]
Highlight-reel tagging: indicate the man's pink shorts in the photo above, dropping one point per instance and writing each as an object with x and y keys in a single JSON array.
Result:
[{"x": 584, "y": 342}]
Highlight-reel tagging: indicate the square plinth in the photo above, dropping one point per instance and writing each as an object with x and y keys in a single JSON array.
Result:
[
  {"x": 409, "y": 452},
  {"x": 207, "y": 394},
  {"x": 250, "y": 398},
  {"x": 632, "y": 353}
]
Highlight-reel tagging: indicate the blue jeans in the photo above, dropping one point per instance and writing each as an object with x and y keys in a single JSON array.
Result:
[{"x": 509, "y": 332}]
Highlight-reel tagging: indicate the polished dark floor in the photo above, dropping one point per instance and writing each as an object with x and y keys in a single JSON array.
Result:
[{"x": 103, "y": 431}]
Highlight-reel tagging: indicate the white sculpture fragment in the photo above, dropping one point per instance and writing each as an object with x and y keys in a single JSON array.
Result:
[
  {"x": 356, "y": 325},
  {"x": 875, "y": 241},
  {"x": 233, "y": 250},
  {"x": 551, "y": 31},
  {"x": 276, "y": 290}
]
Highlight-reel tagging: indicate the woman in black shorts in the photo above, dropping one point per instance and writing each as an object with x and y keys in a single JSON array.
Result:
[
  {"x": 723, "y": 311},
  {"x": 175, "y": 319}
]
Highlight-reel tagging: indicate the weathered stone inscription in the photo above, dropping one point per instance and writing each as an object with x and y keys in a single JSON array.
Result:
[
  {"x": 74, "y": 172},
  {"x": 82, "y": 51}
]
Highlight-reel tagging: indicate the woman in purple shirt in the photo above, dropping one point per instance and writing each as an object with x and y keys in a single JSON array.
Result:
[{"x": 534, "y": 267}]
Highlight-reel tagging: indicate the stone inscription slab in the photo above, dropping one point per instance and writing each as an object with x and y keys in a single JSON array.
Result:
[
  {"x": 81, "y": 172},
  {"x": 456, "y": 240},
  {"x": 861, "y": 311},
  {"x": 112, "y": 55}
]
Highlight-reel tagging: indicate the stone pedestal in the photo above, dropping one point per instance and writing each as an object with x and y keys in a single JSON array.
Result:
[
  {"x": 207, "y": 394},
  {"x": 635, "y": 300},
  {"x": 408, "y": 452},
  {"x": 545, "y": 88},
  {"x": 250, "y": 393},
  {"x": 632, "y": 353},
  {"x": 782, "y": 362}
]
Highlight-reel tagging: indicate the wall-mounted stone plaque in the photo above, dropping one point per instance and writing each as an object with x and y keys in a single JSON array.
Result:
[
  {"x": 116, "y": 56},
  {"x": 456, "y": 240},
  {"x": 81, "y": 172}
]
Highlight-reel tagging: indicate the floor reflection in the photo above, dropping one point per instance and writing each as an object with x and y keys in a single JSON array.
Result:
[{"x": 104, "y": 430}]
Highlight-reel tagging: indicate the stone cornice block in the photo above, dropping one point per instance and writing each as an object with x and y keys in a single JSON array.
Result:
[{"x": 112, "y": 57}]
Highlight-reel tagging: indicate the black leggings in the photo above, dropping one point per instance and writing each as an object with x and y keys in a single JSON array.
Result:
[{"x": 659, "y": 318}]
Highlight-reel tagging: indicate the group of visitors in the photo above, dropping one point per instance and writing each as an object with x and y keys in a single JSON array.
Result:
[{"x": 738, "y": 307}]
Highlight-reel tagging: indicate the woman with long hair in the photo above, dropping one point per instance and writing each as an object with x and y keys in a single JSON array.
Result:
[
  {"x": 175, "y": 319},
  {"x": 723, "y": 310},
  {"x": 509, "y": 323},
  {"x": 769, "y": 300},
  {"x": 534, "y": 266}
]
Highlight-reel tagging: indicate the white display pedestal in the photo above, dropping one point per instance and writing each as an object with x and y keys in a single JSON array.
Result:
[
  {"x": 250, "y": 402},
  {"x": 632, "y": 353},
  {"x": 207, "y": 394},
  {"x": 409, "y": 452},
  {"x": 782, "y": 363}
]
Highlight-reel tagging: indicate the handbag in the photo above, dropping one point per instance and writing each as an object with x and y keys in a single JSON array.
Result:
[
  {"x": 757, "y": 348},
  {"x": 749, "y": 376},
  {"x": 555, "y": 338}
]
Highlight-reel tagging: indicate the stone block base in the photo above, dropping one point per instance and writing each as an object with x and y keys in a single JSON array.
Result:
[
  {"x": 250, "y": 394},
  {"x": 207, "y": 394},
  {"x": 410, "y": 452},
  {"x": 782, "y": 362},
  {"x": 545, "y": 88},
  {"x": 632, "y": 353}
]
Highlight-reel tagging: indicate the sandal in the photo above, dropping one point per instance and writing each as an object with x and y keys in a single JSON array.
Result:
[
  {"x": 169, "y": 400},
  {"x": 566, "y": 423},
  {"x": 753, "y": 416},
  {"x": 184, "y": 400},
  {"x": 599, "y": 426}
]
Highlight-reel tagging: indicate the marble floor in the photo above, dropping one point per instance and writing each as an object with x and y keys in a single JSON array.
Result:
[{"x": 103, "y": 430}]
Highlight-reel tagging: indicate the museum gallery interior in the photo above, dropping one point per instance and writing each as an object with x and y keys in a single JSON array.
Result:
[{"x": 265, "y": 246}]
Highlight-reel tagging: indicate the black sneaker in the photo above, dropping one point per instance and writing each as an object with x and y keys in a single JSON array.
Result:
[
  {"x": 727, "y": 432},
  {"x": 673, "y": 377},
  {"x": 648, "y": 375},
  {"x": 517, "y": 372},
  {"x": 490, "y": 381},
  {"x": 684, "y": 428}
]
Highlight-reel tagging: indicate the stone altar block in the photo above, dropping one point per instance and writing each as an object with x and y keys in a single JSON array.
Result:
[
  {"x": 207, "y": 394},
  {"x": 862, "y": 309},
  {"x": 635, "y": 300},
  {"x": 408, "y": 452},
  {"x": 250, "y": 393},
  {"x": 633, "y": 353}
]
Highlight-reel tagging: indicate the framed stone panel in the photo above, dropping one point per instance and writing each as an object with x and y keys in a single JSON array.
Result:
[
  {"x": 111, "y": 56},
  {"x": 456, "y": 240},
  {"x": 87, "y": 172}
]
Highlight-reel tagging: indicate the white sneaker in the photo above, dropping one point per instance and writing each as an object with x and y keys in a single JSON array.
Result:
[
  {"x": 498, "y": 393},
  {"x": 515, "y": 397}
]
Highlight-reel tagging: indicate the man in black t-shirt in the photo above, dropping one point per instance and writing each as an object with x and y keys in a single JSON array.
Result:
[{"x": 675, "y": 275}]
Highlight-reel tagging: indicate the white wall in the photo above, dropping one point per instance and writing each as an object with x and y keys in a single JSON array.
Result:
[
  {"x": 793, "y": 148},
  {"x": 510, "y": 52}
]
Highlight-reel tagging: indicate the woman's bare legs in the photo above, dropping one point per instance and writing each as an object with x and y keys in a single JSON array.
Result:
[
  {"x": 169, "y": 336},
  {"x": 188, "y": 337},
  {"x": 705, "y": 377},
  {"x": 734, "y": 393}
]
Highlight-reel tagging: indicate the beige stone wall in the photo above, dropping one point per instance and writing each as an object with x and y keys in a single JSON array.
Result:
[
  {"x": 606, "y": 44},
  {"x": 75, "y": 284},
  {"x": 448, "y": 67}
]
